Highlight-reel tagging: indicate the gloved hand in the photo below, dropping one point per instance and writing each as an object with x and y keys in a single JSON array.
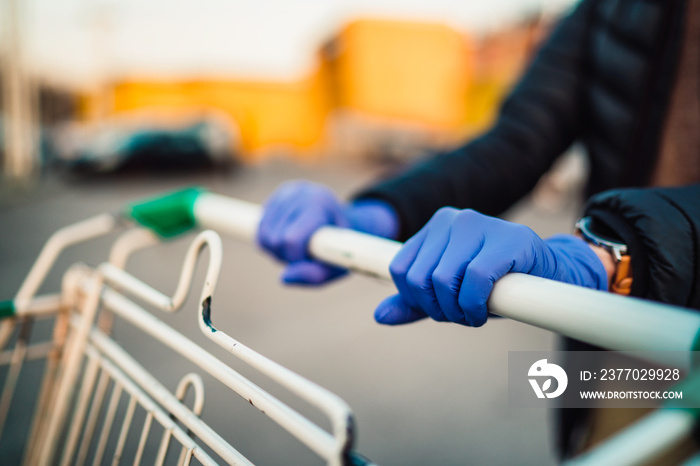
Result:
[
  {"x": 447, "y": 270},
  {"x": 297, "y": 209}
]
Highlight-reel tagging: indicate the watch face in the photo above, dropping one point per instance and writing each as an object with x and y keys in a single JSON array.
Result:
[{"x": 598, "y": 231}]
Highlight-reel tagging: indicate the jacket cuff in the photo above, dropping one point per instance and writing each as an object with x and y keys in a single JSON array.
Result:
[{"x": 660, "y": 236}]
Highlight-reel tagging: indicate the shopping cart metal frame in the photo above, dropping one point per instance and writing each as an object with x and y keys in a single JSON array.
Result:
[{"x": 82, "y": 361}]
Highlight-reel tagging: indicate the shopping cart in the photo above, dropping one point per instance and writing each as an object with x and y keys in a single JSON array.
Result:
[{"x": 91, "y": 387}]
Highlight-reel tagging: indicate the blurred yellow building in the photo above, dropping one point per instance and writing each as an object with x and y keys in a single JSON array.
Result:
[
  {"x": 376, "y": 83},
  {"x": 409, "y": 71}
]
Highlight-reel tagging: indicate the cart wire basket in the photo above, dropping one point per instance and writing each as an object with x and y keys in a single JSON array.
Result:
[{"x": 87, "y": 375}]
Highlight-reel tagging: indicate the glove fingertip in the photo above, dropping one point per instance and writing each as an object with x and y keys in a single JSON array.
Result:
[
  {"x": 309, "y": 273},
  {"x": 394, "y": 311},
  {"x": 479, "y": 318}
]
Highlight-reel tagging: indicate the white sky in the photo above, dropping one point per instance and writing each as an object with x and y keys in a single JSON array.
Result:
[{"x": 78, "y": 41}]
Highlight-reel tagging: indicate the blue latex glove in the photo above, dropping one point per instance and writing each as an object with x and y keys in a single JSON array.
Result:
[
  {"x": 447, "y": 270},
  {"x": 297, "y": 209}
]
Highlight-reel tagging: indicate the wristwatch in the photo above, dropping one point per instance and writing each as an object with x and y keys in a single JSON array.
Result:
[{"x": 622, "y": 278}]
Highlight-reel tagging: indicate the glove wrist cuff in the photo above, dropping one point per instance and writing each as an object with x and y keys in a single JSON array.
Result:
[
  {"x": 374, "y": 217},
  {"x": 586, "y": 268}
]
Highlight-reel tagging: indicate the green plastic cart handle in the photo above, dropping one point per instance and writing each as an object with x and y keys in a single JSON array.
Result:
[
  {"x": 7, "y": 309},
  {"x": 690, "y": 387},
  {"x": 167, "y": 215}
]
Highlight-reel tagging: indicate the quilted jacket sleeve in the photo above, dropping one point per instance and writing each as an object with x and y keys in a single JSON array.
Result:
[
  {"x": 661, "y": 227},
  {"x": 537, "y": 122}
]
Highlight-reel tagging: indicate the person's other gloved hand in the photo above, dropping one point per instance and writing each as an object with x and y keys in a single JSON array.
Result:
[
  {"x": 297, "y": 209},
  {"x": 448, "y": 269}
]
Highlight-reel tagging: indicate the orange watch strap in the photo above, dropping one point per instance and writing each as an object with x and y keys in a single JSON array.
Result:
[{"x": 622, "y": 281}]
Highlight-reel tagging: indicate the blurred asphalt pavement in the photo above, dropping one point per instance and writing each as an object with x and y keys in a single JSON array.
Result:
[{"x": 424, "y": 394}]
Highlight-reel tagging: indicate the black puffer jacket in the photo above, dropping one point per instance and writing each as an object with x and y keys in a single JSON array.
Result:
[
  {"x": 604, "y": 77},
  {"x": 661, "y": 227}
]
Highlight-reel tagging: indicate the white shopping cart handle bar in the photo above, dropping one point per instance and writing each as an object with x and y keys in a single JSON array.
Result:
[{"x": 603, "y": 319}]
